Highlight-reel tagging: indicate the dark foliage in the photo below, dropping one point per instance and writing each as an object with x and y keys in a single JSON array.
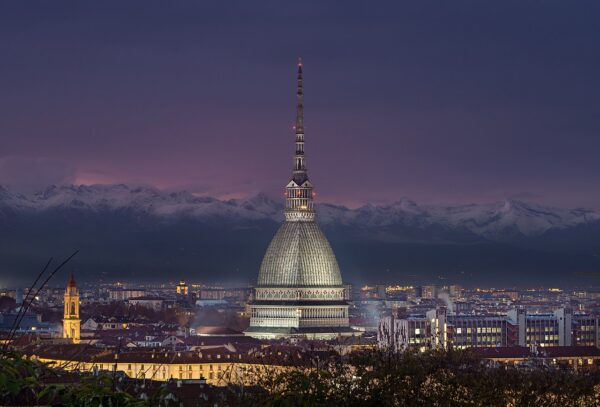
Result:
[
  {"x": 366, "y": 378},
  {"x": 434, "y": 378}
]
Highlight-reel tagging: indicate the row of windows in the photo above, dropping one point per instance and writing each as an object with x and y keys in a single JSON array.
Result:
[
  {"x": 542, "y": 324},
  {"x": 316, "y": 295},
  {"x": 479, "y": 330},
  {"x": 542, "y": 329},
  {"x": 305, "y": 313},
  {"x": 546, "y": 338},
  {"x": 482, "y": 322},
  {"x": 190, "y": 376},
  {"x": 164, "y": 368},
  {"x": 299, "y": 193},
  {"x": 480, "y": 338},
  {"x": 587, "y": 335},
  {"x": 300, "y": 203}
]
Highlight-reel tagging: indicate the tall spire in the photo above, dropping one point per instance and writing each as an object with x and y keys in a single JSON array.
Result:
[
  {"x": 72, "y": 281},
  {"x": 300, "y": 175},
  {"x": 299, "y": 194}
]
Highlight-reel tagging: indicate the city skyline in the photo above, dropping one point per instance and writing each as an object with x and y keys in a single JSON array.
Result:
[
  {"x": 299, "y": 203},
  {"x": 440, "y": 104}
]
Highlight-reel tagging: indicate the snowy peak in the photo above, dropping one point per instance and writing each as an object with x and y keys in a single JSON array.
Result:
[
  {"x": 512, "y": 216},
  {"x": 260, "y": 203},
  {"x": 499, "y": 220},
  {"x": 147, "y": 200}
]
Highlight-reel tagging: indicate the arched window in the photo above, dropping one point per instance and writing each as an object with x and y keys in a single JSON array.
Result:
[{"x": 73, "y": 308}]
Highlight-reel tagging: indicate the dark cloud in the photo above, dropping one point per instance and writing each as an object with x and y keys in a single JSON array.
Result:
[{"x": 439, "y": 101}]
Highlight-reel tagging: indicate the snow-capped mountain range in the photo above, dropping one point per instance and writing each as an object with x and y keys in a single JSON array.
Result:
[
  {"x": 143, "y": 233},
  {"x": 491, "y": 221}
]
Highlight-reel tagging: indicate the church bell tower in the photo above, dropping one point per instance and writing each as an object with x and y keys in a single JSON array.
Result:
[{"x": 71, "y": 321}]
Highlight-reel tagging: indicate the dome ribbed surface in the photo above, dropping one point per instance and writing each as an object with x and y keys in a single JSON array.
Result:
[{"x": 299, "y": 256}]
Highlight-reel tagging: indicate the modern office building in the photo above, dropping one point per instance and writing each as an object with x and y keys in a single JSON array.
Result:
[{"x": 437, "y": 328}]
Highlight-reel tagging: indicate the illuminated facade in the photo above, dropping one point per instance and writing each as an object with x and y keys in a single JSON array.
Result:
[
  {"x": 219, "y": 366},
  {"x": 71, "y": 321},
  {"x": 515, "y": 329},
  {"x": 182, "y": 289},
  {"x": 299, "y": 291}
]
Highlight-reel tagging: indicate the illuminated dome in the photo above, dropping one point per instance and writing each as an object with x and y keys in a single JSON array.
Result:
[
  {"x": 299, "y": 256},
  {"x": 299, "y": 292}
]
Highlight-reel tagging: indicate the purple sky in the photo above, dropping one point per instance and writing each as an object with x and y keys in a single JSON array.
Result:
[{"x": 438, "y": 101}]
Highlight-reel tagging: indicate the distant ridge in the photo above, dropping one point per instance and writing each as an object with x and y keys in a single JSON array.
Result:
[
  {"x": 492, "y": 220},
  {"x": 144, "y": 233}
]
